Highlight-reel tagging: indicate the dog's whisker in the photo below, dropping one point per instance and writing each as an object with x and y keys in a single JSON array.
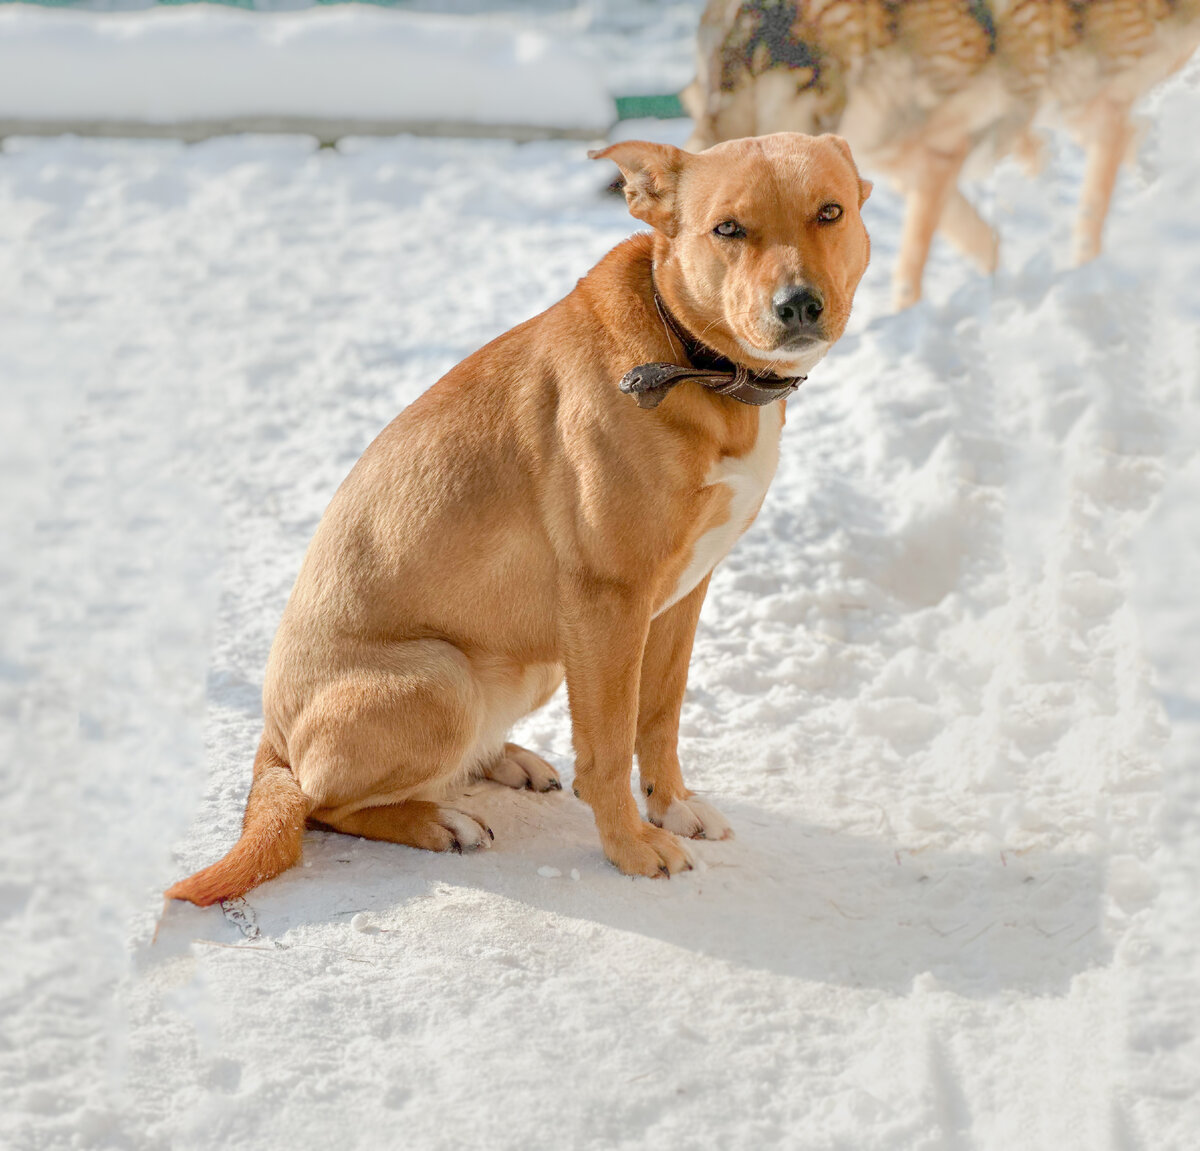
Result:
[{"x": 731, "y": 316}]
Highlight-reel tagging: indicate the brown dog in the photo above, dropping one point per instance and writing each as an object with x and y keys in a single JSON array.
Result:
[{"x": 527, "y": 518}]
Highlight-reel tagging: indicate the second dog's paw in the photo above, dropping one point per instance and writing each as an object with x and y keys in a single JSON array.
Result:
[{"x": 692, "y": 818}]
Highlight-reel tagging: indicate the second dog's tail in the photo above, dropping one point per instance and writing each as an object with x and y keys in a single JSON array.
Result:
[{"x": 272, "y": 833}]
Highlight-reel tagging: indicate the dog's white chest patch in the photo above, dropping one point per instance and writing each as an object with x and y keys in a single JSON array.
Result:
[{"x": 748, "y": 478}]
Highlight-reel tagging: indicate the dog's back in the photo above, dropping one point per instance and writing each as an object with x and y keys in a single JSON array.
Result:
[{"x": 816, "y": 61}]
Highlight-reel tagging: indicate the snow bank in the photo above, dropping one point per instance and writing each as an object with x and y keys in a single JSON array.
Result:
[{"x": 366, "y": 66}]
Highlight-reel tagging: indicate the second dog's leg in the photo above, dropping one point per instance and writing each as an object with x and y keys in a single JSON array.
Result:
[
  {"x": 664, "y": 679},
  {"x": 931, "y": 179},
  {"x": 1106, "y": 135},
  {"x": 969, "y": 232},
  {"x": 604, "y": 634}
]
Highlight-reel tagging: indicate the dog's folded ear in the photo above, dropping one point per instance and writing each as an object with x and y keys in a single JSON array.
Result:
[
  {"x": 651, "y": 174},
  {"x": 864, "y": 186}
]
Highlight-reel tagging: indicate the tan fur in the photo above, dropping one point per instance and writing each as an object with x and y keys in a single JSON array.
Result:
[
  {"x": 925, "y": 89},
  {"x": 272, "y": 831},
  {"x": 524, "y": 519}
]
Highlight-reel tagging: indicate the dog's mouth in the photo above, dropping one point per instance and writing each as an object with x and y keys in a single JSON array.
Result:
[
  {"x": 799, "y": 343},
  {"x": 797, "y": 348}
]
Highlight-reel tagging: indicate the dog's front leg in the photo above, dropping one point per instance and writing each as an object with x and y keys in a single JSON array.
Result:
[
  {"x": 604, "y": 634},
  {"x": 669, "y": 803}
]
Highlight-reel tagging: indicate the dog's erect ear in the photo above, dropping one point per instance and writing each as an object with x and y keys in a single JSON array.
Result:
[
  {"x": 651, "y": 174},
  {"x": 864, "y": 186}
]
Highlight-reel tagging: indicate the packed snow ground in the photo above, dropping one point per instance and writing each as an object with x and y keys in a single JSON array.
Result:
[{"x": 934, "y": 689}]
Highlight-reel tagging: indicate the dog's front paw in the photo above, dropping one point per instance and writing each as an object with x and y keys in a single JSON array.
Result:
[
  {"x": 693, "y": 819},
  {"x": 648, "y": 851}
]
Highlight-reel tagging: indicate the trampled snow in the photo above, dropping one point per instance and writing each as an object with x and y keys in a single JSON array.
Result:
[{"x": 946, "y": 689}]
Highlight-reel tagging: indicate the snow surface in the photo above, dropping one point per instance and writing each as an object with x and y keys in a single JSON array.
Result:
[
  {"x": 639, "y": 47},
  {"x": 946, "y": 690},
  {"x": 351, "y": 63}
]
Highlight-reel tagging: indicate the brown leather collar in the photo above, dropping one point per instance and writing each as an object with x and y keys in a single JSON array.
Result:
[{"x": 650, "y": 383}]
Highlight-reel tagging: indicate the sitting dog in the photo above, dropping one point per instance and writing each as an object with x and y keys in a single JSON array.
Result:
[
  {"x": 555, "y": 505},
  {"x": 925, "y": 90}
]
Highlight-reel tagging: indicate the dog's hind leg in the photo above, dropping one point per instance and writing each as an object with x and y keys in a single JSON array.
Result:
[
  {"x": 930, "y": 179},
  {"x": 1107, "y": 134},
  {"x": 415, "y": 823},
  {"x": 669, "y": 803},
  {"x": 402, "y": 724}
]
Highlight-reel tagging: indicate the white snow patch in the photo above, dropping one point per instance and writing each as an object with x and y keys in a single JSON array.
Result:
[{"x": 351, "y": 63}]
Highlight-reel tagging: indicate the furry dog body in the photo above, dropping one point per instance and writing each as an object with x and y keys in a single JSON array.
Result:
[{"x": 525, "y": 520}]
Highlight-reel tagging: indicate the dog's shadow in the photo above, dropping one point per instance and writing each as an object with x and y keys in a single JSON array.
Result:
[{"x": 825, "y": 904}]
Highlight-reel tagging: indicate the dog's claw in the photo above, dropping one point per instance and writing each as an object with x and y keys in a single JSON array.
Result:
[{"x": 491, "y": 833}]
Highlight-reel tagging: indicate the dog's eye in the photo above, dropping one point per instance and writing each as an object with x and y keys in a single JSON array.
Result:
[
  {"x": 730, "y": 229},
  {"x": 829, "y": 213}
]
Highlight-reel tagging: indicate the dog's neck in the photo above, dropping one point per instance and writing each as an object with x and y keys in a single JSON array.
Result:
[
  {"x": 695, "y": 351},
  {"x": 650, "y": 383},
  {"x": 703, "y": 337}
]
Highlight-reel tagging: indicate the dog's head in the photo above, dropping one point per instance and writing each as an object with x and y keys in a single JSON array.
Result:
[{"x": 760, "y": 242}]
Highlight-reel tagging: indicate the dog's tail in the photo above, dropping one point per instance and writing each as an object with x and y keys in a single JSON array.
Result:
[{"x": 272, "y": 832}]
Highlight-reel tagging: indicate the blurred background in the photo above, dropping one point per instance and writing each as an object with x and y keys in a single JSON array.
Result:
[{"x": 946, "y": 689}]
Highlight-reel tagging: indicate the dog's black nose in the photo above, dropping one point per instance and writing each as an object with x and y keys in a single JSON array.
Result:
[{"x": 798, "y": 308}]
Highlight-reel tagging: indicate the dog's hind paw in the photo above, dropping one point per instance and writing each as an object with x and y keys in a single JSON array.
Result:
[
  {"x": 692, "y": 818},
  {"x": 466, "y": 832},
  {"x": 518, "y": 767}
]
